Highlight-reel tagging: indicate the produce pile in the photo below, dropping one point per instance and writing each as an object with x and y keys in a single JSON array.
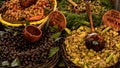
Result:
[
  {"x": 36, "y": 11},
  {"x": 17, "y": 51},
  {"x": 78, "y": 28},
  {"x": 80, "y": 55}
]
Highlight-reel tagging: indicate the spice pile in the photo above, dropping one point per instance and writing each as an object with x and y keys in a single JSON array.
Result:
[
  {"x": 14, "y": 46},
  {"x": 34, "y": 12},
  {"x": 80, "y": 55}
]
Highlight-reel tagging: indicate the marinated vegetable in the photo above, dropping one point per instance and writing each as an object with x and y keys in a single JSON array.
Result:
[{"x": 80, "y": 55}]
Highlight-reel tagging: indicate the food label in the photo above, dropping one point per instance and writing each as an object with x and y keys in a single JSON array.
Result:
[{"x": 112, "y": 18}]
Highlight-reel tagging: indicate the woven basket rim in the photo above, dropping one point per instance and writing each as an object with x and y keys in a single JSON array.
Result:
[{"x": 68, "y": 62}]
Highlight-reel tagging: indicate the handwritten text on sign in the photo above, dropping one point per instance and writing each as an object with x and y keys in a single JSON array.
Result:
[{"x": 112, "y": 18}]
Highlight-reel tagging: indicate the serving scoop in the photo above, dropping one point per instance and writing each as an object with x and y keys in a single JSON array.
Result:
[
  {"x": 93, "y": 40},
  {"x": 112, "y": 18},
  {"x": 33, "y": 33}
]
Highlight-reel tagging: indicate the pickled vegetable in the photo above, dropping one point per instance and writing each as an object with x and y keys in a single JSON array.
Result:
[{"x": 81, "y": 55}]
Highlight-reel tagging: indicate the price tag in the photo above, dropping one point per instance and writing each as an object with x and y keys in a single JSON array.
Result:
[{"x": 112, "y": 18}]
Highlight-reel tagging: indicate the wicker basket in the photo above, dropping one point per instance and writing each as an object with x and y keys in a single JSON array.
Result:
[
  {"x": 49, "y": 62},
  {"x": 70, "y": 64}
]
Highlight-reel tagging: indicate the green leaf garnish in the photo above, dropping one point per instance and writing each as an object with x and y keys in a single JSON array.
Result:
[
  {"x": 61, "y": 63},
  {"x": 15, "y": 33},
  {"x": 5, "y": 63},
  {"x": 15, "y": 63},
  {"x": 54, "y": 28},
  {"x": 53, "y": 51},
  {"x": 56, "y": 35},
  {"x": 58, "y": 39}
]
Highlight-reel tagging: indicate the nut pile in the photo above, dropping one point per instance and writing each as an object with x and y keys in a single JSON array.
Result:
[
  {"x": 88, "y": 58},
  {"x": 13, "y": 45},
  {"x": 16, "y": 12}
]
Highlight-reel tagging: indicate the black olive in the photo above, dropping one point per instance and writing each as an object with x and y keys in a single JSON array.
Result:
[{"x": 28, "y": 53}]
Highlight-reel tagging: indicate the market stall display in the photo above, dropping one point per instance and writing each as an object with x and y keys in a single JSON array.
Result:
[
  {"x": 16, "y": 51},
  {"x": 63, "y": 36},
  {"x": 74, "y": 50}
]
